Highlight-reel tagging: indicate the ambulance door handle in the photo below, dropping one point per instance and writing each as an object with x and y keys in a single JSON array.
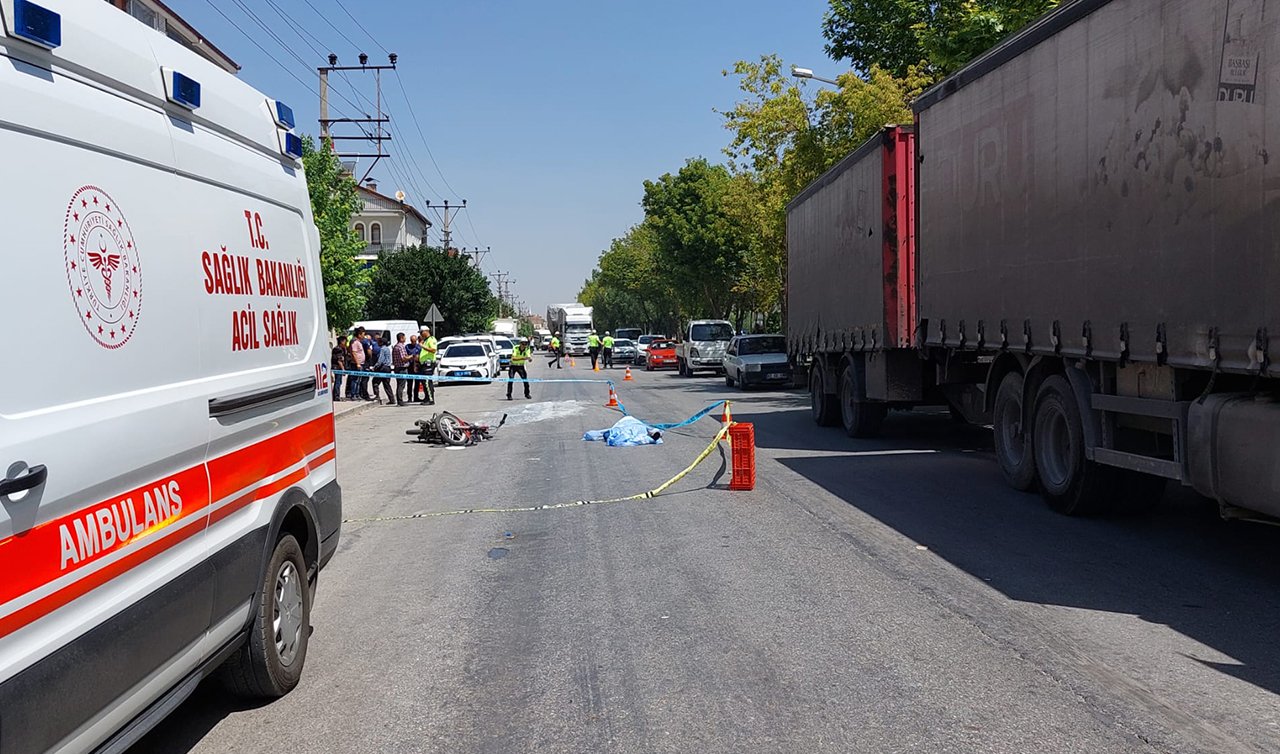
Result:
[{"x": 33, "y": 477}]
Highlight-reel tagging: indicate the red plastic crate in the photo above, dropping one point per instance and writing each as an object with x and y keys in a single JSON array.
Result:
[{"x": 743, "y": 438}]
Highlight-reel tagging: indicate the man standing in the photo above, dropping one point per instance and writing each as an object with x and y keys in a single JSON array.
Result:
[
  {"x": 593, "y": 348},
  {"x": 400, "y": 365},
  {"x": 607, "y": 351},
  {"x": 338, "y": 363},
  {"x": 356, "y": 387},
  {"x": 382, "y": 367},
  {"x": 413, "y": 349},
  {"x": 519, "y": 356},
  {"x": 555, "y": 352},
  {"x": 427, "y": 365}
]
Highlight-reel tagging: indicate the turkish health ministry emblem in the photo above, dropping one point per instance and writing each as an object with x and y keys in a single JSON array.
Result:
[{"x": 103, "y": 270}]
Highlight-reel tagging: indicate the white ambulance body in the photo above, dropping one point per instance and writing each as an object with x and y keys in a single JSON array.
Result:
[{"x": 167, "y": 472}]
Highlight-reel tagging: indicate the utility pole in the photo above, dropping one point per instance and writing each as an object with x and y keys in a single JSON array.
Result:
[
  {"x": 447, "y": 208},
  {"x": 380, "y": 134}
]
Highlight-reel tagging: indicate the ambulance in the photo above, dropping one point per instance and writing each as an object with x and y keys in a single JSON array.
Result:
[{"x": 168, "y": 493}]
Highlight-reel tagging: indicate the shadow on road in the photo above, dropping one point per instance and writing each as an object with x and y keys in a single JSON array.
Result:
[
  {"x": 1179, "y": 565},
  {"x": 187, "y": 726}
]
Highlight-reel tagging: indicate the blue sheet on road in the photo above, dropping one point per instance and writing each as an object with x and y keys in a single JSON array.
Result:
[{"x": 627, "y": 432}]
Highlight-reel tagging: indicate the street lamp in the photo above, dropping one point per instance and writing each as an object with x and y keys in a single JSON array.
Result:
[{"x": 807, "y": 73}]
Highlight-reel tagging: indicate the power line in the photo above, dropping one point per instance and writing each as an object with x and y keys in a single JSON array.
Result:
[
  {"x": 359, "y": 25},
  {"x": 414, "y": 116}
]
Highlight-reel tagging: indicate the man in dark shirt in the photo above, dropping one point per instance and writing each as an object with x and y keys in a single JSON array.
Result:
[{"x": 338, "y": 362}]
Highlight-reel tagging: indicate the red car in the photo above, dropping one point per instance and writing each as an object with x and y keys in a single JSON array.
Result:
[{"x": 662, "y": 353}]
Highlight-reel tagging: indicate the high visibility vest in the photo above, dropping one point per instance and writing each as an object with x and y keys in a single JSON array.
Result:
[
  {"x": 520, "y": 355},
  {"x": 555, "y": 344},
  {"x": 608, "y": 341},
  {"x": 428, "y": 353},
  {"x": 593, "y": 341}
]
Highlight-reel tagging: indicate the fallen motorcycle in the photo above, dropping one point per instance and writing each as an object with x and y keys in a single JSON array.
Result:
[{"x": 445, "y": 428}]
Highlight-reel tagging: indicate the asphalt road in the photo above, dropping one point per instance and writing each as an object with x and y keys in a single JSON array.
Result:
[{"x": 868, "y": 596}]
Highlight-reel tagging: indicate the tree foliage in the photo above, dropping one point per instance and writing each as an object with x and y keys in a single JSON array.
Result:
[
  {"x": 406, "y": 283},
  {"x": 936, "y": 37},
  {"x": 628, "y": 288},
  {"x": 334, "y": 200},
  {"x": 699, "y": 246}
]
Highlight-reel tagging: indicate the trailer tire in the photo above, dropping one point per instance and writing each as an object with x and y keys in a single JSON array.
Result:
[
  {"x": 860, "y": 418},
  {"x": 1070, "y": 483},
  {"x": 1012, "y": 443},
  {"x": 825, "y": 411}
]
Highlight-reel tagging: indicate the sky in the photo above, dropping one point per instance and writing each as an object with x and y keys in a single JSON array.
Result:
[{"x": 547, "y": 117}]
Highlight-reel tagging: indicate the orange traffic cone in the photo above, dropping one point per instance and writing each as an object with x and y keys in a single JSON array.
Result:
[
  {"x": 627, "y": 376},
  {"x": 596, "y": 368},
  {"x": 571, "y": 364},
  {"x": 613, "y": 398}
]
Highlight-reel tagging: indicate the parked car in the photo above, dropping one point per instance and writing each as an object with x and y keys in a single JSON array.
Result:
[
  {"x": 661, "y": 353},
  {"x": 624, "y": 351},
  {"x": 505, "y": 349},
  {"x": 642, "y": 345},
  {"x": 467, "y": 360},
  {"x": 485, "y": 341},
  {"x": 756, "y": 360}
]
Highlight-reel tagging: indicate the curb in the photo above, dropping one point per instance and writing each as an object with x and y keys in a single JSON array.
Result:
[{"x": 365, "y": 406}]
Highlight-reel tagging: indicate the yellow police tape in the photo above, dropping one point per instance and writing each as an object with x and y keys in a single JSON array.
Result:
[{"x": 722, "y": 434}]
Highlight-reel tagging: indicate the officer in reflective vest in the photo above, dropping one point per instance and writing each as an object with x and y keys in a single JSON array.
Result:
[
  {"x": 427, "y": 365},
  {"x": 593, "y": 348},
  {"x": 607, "y": 351},
  {"x": 556, "y": 353},
  {"x": 520, "y": 356}
]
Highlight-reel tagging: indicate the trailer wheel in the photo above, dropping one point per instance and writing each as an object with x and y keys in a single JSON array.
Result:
[
  {"x": 1070, "y": 484},
  {"x": 860, "y": 418},
  {"x": 1012, "y": 443},
  {"x": 823, "y": 407}
]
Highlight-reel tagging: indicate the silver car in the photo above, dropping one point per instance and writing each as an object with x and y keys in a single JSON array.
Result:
[
  {"x": 756, "y": 360},
  {"x": 624, "y": 351}
]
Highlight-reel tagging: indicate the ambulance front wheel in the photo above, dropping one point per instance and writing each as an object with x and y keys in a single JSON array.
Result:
[{"x": 269, "y": 665}]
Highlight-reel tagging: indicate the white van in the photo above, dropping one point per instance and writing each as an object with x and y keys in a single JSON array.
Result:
[
  {"x": 387, "y": 329},
  {"x": 167, "y": 472}
]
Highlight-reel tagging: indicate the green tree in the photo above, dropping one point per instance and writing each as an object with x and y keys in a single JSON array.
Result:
[
  {"x": 406, "y": 283},
  {"x": 938, "y": 36},
  {"x": 699, "y": 247},
  {"x": 627, "y": 288},
  {"x": 334, "y": 201}
]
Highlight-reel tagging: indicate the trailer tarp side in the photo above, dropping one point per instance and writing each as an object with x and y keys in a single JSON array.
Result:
[
  {"x": 842, "y": 257},
  {"x": 1115, "y": 179}
]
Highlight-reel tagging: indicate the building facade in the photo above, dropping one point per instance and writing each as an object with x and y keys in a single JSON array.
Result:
[
  {"x": 387, "y": 224},
  {"x": 160, "y": 17}
]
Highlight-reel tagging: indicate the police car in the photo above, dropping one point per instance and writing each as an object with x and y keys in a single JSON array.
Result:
[{"x": 167, "y": 471}]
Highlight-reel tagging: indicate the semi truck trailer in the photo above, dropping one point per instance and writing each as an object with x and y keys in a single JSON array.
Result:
[{"x": 1075, "y": 242}]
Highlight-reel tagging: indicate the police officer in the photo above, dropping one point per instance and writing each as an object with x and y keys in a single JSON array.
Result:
[
  {"x": 427, "y": 365},
  {"x": 556, "y": 352},
  {"x": 593, "y": 348},
  {"x": 520, "y": 355},
  {"x": 607, "y": 350}
]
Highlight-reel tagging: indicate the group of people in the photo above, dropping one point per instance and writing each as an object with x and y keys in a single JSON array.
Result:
[
  {"x": 415, "y": 355},
  {"x": 367, "y": 352},
  {"x": 600, "y": 349}
]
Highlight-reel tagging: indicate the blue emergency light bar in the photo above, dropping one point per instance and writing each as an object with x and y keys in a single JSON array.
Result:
[
  {"x": 291, "y": 144},
  {"x": 284, "y": 115},
  {"x": 36, "y": 24},
  {"x": 183, "y": 90}
]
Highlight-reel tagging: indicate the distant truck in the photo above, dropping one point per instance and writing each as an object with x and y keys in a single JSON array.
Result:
[
  {"x": 702, "y": 346},
  {"x": 542, "y": 338},
  {"x": 573, "y": 322},
  {"x": 1066, "y": 251},
  {"x": 509, "y": 328},
  {"x": 628, "y": 333}
]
